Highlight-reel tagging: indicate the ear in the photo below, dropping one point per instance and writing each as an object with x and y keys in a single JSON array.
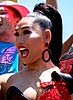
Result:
[{"x": 47, "y": 36}]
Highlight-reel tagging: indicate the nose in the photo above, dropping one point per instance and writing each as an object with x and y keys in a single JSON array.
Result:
[{"x": 20, "y": 39}]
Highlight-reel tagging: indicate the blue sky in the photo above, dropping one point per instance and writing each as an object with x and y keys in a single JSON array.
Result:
[{"x": 65, "y": 8}]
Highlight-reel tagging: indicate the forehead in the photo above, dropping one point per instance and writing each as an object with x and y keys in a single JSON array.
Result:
[
  {"x": 27, "y": 21},
  {"x": 6, "y": 8}
]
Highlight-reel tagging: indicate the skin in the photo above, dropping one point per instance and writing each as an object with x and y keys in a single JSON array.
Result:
[
  {"x": 67, "y": 44},
  {"x": 8, "y": 22},
  {"x": 3, "y": 80},
  {"x": 8, "y": 25},
  {"x": 53, "y": 3},
  {"x": 29, "y": 36}
]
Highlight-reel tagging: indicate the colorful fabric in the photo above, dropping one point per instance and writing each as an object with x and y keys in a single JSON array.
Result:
[
  {"x": 8, "y": 58},
  {"x": 56, "y": 91},
  {"x": 53, "y": 90},
  {"x": 66, "y": 62}
]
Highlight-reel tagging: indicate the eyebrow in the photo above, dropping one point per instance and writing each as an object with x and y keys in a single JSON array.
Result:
[{"x": 25, "y": 27}]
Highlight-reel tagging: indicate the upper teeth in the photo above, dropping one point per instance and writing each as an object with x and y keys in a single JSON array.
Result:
[{"x": 22, "y": 48}]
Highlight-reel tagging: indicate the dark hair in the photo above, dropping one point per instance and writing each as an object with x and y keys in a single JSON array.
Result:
[
  {"x": 56, "y": 30},
  {"x": 42, "y": 20}
]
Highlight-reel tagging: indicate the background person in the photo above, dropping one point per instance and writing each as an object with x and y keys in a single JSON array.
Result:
[{"x": 10, "y": 14}]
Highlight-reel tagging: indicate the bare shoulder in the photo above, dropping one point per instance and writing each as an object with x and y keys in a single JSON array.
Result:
[
  {"x": 3, "y": 80},
  {"x": 4, "y": 77},
  {"x": 12, "y": 80}
]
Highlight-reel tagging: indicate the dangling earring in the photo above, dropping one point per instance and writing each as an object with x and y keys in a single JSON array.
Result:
[{"x": 48, "y": 51}]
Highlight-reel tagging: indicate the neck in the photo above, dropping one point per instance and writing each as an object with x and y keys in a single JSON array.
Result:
[{"x": 40, "y": 64}]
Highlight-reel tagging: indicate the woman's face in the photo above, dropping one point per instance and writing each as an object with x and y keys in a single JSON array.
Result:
[{"x": 29, "y": 40}]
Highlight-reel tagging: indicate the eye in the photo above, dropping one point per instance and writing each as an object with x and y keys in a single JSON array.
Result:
[
  {"x": 16, "y": 34},
  {"x": 4, "y": 12},
  {"x": 26, "y": 32}
]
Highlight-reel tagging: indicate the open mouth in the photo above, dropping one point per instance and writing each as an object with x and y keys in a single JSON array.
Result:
[{"x": 24, "y": 51}]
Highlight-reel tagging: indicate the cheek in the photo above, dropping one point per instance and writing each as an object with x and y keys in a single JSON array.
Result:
[
  {"x": 8, "y": 20},
  {"x": 6, "y": 16},
  {"x": 9, "y": 17},
  {"x": 34, "y": 35},
  {"x": 36, "y": 44},
  {"x": 35, "y": 50},
  {"x": 17, "y": 41},
  {"x": 35, "y": 40}
]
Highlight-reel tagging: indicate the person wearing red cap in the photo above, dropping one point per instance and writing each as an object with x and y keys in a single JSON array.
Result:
[{"x": 10, "y": 14}]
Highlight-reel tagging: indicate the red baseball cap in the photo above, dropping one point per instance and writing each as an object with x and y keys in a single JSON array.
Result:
[{"x": 21, "y": 9}]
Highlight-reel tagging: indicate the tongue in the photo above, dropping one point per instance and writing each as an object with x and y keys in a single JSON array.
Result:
[{"x": 24, "y": 53}]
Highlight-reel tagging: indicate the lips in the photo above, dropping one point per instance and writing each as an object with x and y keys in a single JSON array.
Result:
[{"x": 24, "y": 51}]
